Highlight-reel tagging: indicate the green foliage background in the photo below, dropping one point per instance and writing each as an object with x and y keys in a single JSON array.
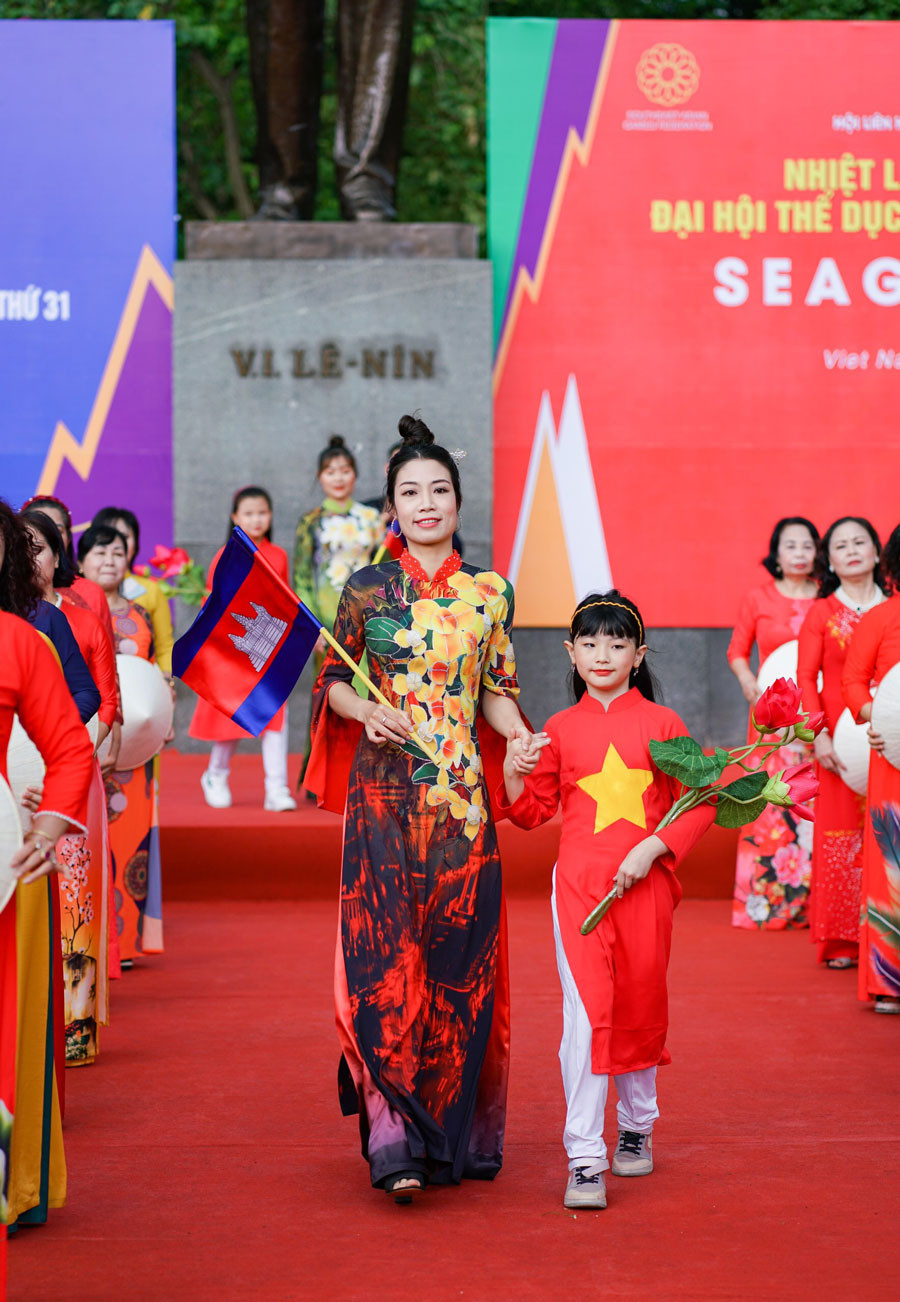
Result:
[{"x": 442, "y": 176}]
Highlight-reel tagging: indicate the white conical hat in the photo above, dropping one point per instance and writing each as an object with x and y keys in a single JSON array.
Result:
[
  {"x": 886, "y": 714},
  {"x": 147, "y": 712},
  {"x": 851, "y": 745},
  {"x": 782, "y": 663},
  {"x": 25, "y": 766},
  {"x": 10, "y": 840}
]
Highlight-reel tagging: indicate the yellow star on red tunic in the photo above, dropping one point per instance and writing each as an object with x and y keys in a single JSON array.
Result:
[{"x": 618, "y": 791}]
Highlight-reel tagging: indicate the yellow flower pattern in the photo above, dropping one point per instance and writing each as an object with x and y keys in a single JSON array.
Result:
[{"x": 432, "y": 654}]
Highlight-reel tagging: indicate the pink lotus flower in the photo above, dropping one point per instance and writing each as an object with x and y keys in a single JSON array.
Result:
[
  {"x": 791, "y": 787},
  {"x": 171, "y": 560}
]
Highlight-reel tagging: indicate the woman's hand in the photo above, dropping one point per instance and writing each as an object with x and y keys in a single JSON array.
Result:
[
  {"x": 751, "y": 689},
  {"x": 383, "y": 724},
  {"x": 108, "y": 765},
  {"x": 825, "y": 753},
  {"x": 638, "y": 862},
  {"x": 31, "y": 799},
  {"x": 876, "y": 741},
  {"x": 523, "y": 750},
  {"x": 36, "y": 857},
  {"x": 321, "y": 645}
]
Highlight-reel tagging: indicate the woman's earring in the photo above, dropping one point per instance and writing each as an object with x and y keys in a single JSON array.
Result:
[
  {"x": 779, "y": 572},
  {"x": 395, "y": 528}
]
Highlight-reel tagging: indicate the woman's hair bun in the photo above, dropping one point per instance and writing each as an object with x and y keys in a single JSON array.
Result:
[
  {"x": 336, "y": 441},
  {"x": 414, "y": 430}
]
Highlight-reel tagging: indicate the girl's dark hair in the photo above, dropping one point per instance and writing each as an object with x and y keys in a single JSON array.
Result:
[
  {"x": 242, "y": 495},
  {"x": 110, "y": 514},
  {"x": 616, "y": 616},
  {"x": 771, "y": 561},
  {"x": 64, "y": 573},
  {"x": 20, "y": 586},
  {"x": 418, "y": 445},
  {"x": 45, "y": 500},
  {"x": 99, "y": 535},
  {"x": 335, "y": 448},
  {"x": 826, "y": 578},
  {"x": 890, "y": 561}
]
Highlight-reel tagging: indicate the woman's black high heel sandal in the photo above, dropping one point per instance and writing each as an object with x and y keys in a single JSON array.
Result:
[{"x": 405, "y": 1194}]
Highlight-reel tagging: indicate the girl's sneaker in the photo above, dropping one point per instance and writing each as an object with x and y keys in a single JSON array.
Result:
[
  {"x": 216, "y": 790},
  {"x": 634, "y": 1154},
  {"x": 586, "y": 1188}
]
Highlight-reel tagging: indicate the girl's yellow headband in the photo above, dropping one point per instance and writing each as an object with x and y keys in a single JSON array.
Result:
[{"x": 634, "y": 615}]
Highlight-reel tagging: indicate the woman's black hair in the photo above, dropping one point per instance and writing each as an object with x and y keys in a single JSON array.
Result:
[
  {"x": 242, "y": 495},
  {"x": 99, "y": 535},
  {"x": 616, "y": 616},
  {"x": 418, "y": 445},
  {"x": 42, "y": 500},
  {"x": 771, "y": 561},
  {"x": 64, "y": 572},
  {"x": 110, "y": 514},
  {"x": 336, "y": 447},
  {"x": 20, "y": 584},
  {"x": 823, "y": 574},
  {"x": 890, "y": 561}
]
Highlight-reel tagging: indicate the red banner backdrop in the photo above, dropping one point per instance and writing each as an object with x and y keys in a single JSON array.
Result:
[{"x": 709, "y": 337}]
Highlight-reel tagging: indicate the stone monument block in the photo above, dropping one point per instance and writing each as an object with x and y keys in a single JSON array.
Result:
[{"x": 273, "y": 356}]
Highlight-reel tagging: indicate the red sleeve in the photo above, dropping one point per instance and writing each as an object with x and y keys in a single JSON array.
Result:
[
  {"x": 809, "y": 656},
  {"x": 744, "y": 634},
  {"x": 682, "y": 835},
  {"x": 859, "y": 667},
  {"x": 540, "y": 799},
  {"x": 49, "y": 716},
  {"x": 102, "y": 664}
]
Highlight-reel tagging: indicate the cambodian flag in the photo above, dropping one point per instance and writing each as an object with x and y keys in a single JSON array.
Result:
[{"x": 247, "y": 647}]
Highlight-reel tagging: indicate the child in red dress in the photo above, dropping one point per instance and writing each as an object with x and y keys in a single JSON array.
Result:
[
  {"x": 251, "y": 510},
  {"x": 594, "y": 758}
]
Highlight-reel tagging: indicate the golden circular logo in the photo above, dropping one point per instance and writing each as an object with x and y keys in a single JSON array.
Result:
[{"x": 668, "y": 74}]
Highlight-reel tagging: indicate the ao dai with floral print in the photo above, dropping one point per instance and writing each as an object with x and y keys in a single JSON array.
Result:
[{"x": 421, "y": 1002}]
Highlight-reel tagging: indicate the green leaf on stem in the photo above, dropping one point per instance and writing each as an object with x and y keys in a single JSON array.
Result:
[
  {"x": 683, "y": 759},
  {"x": 732, "y": 813},
  {"x": 747, "y": 788},
  {"x": 380, "y": 637}
]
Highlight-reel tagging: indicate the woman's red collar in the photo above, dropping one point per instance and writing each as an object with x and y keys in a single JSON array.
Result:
[{"x": 411, "y": 566}]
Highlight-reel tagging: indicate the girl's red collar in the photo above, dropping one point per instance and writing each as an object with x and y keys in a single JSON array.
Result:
[{"x": 411, "y": 566}]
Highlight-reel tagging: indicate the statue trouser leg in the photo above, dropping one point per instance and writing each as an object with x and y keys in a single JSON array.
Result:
[
  {"x": 286, "y": 75},
  {"x": 374, "y": 50}
]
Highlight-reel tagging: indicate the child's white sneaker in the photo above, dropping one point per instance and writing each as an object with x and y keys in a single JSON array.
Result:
[
  {"x": 279, "y": 801},
  {"x": 634, "y": 1154},
  {"x": 586, "y": 1188},
  {"x": 216, "y": 790}
]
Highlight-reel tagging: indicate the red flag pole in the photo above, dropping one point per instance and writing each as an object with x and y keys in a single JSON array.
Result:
[{"x": 425, "y": 744}]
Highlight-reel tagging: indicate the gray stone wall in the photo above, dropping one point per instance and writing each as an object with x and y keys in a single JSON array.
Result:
[{"x": 270, "y": 357}]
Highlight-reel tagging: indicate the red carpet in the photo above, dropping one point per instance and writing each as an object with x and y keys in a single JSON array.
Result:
[
  {"x": 208, "y": 1160},
  {"x": 219, "y": 853}
]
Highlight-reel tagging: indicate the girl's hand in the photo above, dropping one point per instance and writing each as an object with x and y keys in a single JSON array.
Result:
[
  {"x": 383, "y": 724},
  {"x": 31, "y": 799},
  {"x": 876, "y": 741},
  {"x": 826, "y": 755},
  {"x": 637, "y": 863},
  {"x": 523, "y": 750}
]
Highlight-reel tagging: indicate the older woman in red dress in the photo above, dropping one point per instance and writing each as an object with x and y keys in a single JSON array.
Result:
[
  {"x": 848, "y": 574},
  {"x": 874, "y": 650},
  {"x": 771, "y": 887}
]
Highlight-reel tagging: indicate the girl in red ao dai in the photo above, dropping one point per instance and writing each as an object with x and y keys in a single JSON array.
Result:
[
  {"x": 594, "y": 759},
  {"x": 251, "y": 510}
]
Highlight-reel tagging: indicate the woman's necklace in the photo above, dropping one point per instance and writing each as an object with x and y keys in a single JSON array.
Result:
[{"x": 875, "y": 599}]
